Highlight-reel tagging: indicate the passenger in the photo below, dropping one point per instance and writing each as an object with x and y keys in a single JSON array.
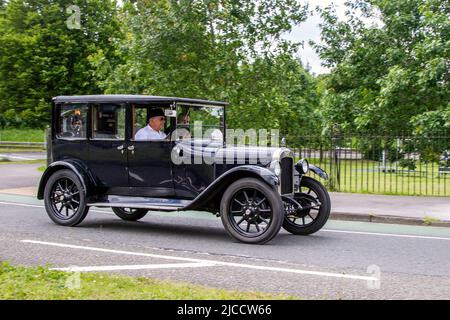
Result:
[
  {"x": 153, "y": 131},
  {"x": 184, "y": 119},
  {"x": 76, "y": 123}
]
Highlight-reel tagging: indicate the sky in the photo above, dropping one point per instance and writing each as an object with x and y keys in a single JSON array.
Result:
[{"x": 309, "y": 30}]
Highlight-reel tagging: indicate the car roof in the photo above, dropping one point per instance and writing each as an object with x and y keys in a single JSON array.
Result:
[{"x": 132, "y": 98}]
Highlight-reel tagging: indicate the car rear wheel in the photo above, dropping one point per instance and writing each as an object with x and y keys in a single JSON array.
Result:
[
  {"x": 315, "y": 202},
  {"x": 251, "y": 211},
  {"x": 130, "y": 214},
  {"x": 65, "y": 198}
]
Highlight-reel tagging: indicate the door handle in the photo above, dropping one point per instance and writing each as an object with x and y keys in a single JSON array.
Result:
[
  {"x": 131, "y": 148},
  {"x": 120, "y": 148}
]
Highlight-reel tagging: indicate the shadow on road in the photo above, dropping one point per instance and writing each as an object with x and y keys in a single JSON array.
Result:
[{"x": 214, "y": 232}]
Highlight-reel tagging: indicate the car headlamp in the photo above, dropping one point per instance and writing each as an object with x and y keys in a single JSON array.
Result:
[{"x": 302, "y": 166}]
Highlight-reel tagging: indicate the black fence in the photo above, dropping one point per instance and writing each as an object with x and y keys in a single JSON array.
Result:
[{"x": 367, "y": 162}]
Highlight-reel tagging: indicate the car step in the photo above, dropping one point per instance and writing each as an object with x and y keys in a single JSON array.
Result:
[{"x": 142, "y": 203}]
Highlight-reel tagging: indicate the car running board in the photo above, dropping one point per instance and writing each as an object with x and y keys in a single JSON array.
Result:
[{"x": 142, "y": 203}]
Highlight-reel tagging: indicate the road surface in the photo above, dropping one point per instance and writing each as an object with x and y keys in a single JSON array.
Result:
[{"x": 346, "y": 260}]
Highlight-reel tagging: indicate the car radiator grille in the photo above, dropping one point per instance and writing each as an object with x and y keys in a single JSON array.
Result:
[{"x": 286, "y": 175}]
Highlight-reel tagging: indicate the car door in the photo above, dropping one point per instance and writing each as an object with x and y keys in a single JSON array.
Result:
[
  {"x": 149, "y": 161},
  {"x": 71, "y": 132},
  {"x": 108, "y": 159}
]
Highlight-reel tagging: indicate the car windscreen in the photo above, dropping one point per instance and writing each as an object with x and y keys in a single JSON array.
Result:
[{"x": 200, "y": 122}]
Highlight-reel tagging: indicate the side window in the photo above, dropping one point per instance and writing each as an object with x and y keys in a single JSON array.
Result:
[
  {"x": 72, "y": 121},
  {"x": 108, "y": 122},
  {"x": 150, "y": 122}
]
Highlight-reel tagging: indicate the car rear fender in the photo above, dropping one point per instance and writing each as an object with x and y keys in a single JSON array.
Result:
[{"x": 73, "y": 165}]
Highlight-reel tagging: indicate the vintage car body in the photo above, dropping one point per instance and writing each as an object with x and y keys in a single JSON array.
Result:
[{"x": 95, "y": 160}]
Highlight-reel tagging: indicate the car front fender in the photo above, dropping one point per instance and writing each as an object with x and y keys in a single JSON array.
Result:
[
  {"x": 321, "y": 173},
  {"x": 211, "y": 196}
]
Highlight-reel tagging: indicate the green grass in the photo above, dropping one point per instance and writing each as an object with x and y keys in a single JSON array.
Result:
[
  {"x": 7, "y": 161},
  {"x": 20, "y": 150},
  {"x": 26, "y": 283},
  {"x": 22, "y": 135},
  {"x": 366, "y": 176}
]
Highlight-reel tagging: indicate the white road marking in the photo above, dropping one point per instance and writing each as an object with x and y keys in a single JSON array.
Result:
[
  {"x": 17, "y": 157},
  {"x": 211, "y": 262},
  {"x": 62, "y": 245},
  {"x": 136, "y": 267},
  {"x": 385, "y": 234},
  {"x": 21, "y": 204}
]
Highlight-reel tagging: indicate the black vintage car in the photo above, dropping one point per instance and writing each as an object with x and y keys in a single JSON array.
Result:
[{"x": 96, "y": 160}]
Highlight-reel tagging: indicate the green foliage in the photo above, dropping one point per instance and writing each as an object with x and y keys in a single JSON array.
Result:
[
  {"x": 433, "y": 122},
  {"x": 221, "y": 50},
  {"x": 390, "y": 76},
  {"x": 410, "y": 164},
  {"x": 40, "y": 57}
]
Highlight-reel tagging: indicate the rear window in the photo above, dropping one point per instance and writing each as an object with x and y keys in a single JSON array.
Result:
[{"x": 72, "y": 121}]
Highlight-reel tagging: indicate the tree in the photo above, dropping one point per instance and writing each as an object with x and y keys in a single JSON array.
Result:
[
  {"x": 42, "y": 55},
  {"x": 223, "y": 50},
  {"x": 387, "y": 77}
]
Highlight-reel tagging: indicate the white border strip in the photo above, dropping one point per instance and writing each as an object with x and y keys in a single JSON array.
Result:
[
  {"x": 135, "y": 267},
  {"x": 210, "y": 262},
  {"x": 43, "y": 207}
]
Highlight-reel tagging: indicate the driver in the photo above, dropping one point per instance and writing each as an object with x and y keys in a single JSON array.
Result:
[{"x": 153, "y": 131}]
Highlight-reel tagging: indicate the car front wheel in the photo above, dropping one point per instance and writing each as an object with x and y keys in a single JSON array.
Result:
[
  {"x": 314, "y": 211},
  {"x": 251, "y": 211},
  {"x": 130, "y": 214},
  {"x": 65, "y": 198}
]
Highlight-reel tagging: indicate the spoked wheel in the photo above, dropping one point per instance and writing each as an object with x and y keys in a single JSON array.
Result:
[
  {"x": 251, "y": 211},
  {"x": 130, "y": 214},
  {"x": 315, "y": 208},
  {"x": 65, "y": 198}
]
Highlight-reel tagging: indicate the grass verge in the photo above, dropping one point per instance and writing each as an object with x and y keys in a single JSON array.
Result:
[
  {"x": 20, "y": 150},
  {"x": 367, "y": 176},
  {"x": 40, "y": 283},
  {"x": 7, "y": 161},
  {"x": 22, "y": 135}
]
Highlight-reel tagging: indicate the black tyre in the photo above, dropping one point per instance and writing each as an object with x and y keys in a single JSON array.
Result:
[
  {"x": 315, "y": 200},
  {"x": 251, "y": 211},
  {"x": 130, "y": 214},
  {"x": 65, "y": 198}
]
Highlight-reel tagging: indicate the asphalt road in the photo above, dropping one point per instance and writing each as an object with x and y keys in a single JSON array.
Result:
[
  {"x": 346, "y": 260},
  {"x": 13, "y": 175}
]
